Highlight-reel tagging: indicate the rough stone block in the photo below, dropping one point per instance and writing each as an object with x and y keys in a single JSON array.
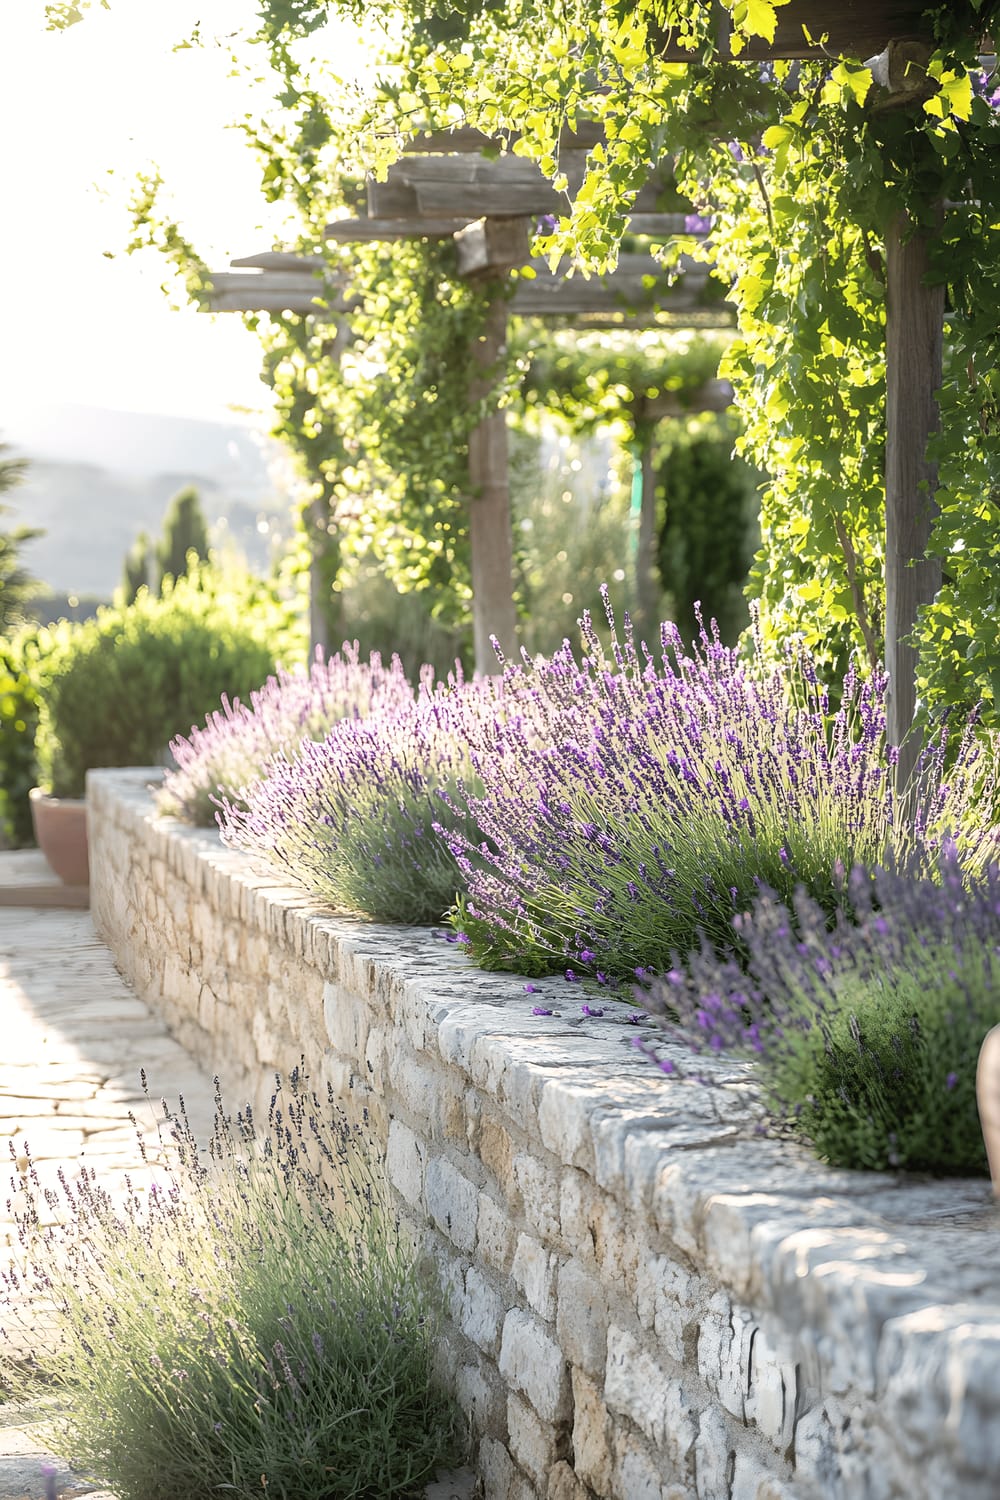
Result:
[
  {"x": 582, "y": 1318},
  {"x": 576, "y": 1208},
  {"x": 496, "y": 1152},
  {"x": 346, "y": 1020},
  {"x": 591, "y": 1434},
  {"x": 496, "y": 1470},
  {"x": 596, "y": 1229},
  {"x": 533, "y": 1364},
  {"x": 749, "y": 1477},
  {"x": 714, "y": 1457},
  {"x": 495, "y": 1234},
  {"x": 532, "y": 1442},
  {"x": 452, "y": 1202},
  {"x": 564, "y": 1123},
  {"x": 534, "y": 1271},
  {"x": 267, "y": 1042},
  {"x": 636, "y": 1475},
  {"x": 405, "y": 1158},
  {"x": 668, "y": 1301},
  {"x": 418, "y": 1087},
  {"x": 482, "y": 1312},
  {"x": 539, "y": 1188},
  {"x": 564, "y": 1485},
  {"x": 639, "y": 1388},
  {"x": 940, "y": 1385},
  {"x": 725, "y": 1339},
  {"x": 482, "y": 1399},
  {"x": 773, "y": 1394}
]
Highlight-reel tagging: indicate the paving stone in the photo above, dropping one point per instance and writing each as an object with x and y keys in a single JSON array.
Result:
[{"x": 74, "y": 1041}]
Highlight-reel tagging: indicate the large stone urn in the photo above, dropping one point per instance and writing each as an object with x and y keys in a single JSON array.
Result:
[{"x": 60, "y": 825}]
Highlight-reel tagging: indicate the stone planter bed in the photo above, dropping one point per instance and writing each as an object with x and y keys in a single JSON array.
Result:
[{"x": 648, "y": 1300}]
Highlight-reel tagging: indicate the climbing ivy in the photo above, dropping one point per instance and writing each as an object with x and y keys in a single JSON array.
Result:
[
  {"x": 595, "y": 378},
  {"x": 801, "y": 167},
  {"x": 798, "y": 169}
]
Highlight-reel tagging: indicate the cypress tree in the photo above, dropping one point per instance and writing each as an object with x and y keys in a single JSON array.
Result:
[
  {"x": 136, "y": 568},
  {"x": 184, "y": 531}
]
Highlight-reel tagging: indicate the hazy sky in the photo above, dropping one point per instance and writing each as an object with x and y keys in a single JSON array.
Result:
[{"x": 80, "y": 113}]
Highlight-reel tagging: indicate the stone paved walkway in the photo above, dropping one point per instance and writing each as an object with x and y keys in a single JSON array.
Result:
[{"x": 73, "y": 1041}]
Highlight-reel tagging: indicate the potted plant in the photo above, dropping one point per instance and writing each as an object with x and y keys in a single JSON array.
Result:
[{"x": 117, "y": 688}]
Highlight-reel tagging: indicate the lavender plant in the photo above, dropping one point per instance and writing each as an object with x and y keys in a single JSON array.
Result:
[
  {"x": 253, "y": 1324},
  {"x": 631, "y": 806},
  {"x": 865, "y": 1036},
  {"x": 352, "y": 818},
  {"x": 239, "y": 740}
]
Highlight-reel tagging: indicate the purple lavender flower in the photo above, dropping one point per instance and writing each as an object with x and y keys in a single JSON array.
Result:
[
  {"x": 239, "y": 740},
  {"x": 629, "y": 804},
  {"x": 362, "y": 818},
  {"x": 865, "y": 1031},
  {"x": 540, "y": 1010}
]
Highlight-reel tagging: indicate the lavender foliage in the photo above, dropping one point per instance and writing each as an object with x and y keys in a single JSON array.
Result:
[
  {"x": 631, "y": 805},
  {"x": 352, "y": 818},
  {"x": 866, "y": 1035},
  {"x": 237, "y": 741},
  {"x": 252, "y": 1323}
]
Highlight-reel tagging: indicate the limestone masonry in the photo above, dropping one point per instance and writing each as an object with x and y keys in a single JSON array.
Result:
[{"x": 648, "y": 1300}]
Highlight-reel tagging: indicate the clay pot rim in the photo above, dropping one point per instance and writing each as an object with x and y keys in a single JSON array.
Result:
[{"x": 40, "y": 794}]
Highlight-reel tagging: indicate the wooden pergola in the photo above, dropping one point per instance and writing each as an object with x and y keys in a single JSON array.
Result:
[{"x": 445, "y": 187}]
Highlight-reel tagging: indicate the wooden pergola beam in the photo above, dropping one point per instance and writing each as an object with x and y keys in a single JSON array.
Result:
[
  {"x": 464, "y": 139},
  {"x": 638, "y": 283},
  {"x": 374, "y": 230},
  {"x": 836, "y": 28},
  {"x": 450, "y": 186},
  {"x": 280, "y": 260},
  {"x": 362, "y": 231}
]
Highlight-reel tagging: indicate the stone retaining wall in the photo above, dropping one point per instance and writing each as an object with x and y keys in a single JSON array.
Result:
[{"x": 647, "y": 1300}]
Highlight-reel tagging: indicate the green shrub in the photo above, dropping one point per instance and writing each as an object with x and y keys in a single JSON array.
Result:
[
  {"x": 252, "y": 1325},
  {"x": 119, "y": 687},
  {"x": 866, "y": 1036},
  {"x": 237, "y": 742},
  {"x": 352, "y": 817},
  {"x": 20, "y": 681},
  {"x": 708, "y": 531}
]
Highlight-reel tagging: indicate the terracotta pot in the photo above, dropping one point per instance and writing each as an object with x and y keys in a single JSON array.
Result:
[
  {"x": 61, "y": 832},
  {"x": 988, "y": 1098}
]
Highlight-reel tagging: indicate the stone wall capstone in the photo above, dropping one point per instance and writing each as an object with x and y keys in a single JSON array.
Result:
[{"x": 647, "y": 1299}]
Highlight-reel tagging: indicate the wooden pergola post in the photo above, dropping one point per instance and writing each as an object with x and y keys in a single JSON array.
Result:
[
  {"x": 647, "y": 579},
  {"x": 486, "y": 252},
  {"x": 316, "y": 519},
  {"x": 490, "y": 541},
  {"x": 914, "y": 331}
]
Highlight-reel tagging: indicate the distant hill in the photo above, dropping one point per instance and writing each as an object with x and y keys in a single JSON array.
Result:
[{"x": 98, "y": 477}]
